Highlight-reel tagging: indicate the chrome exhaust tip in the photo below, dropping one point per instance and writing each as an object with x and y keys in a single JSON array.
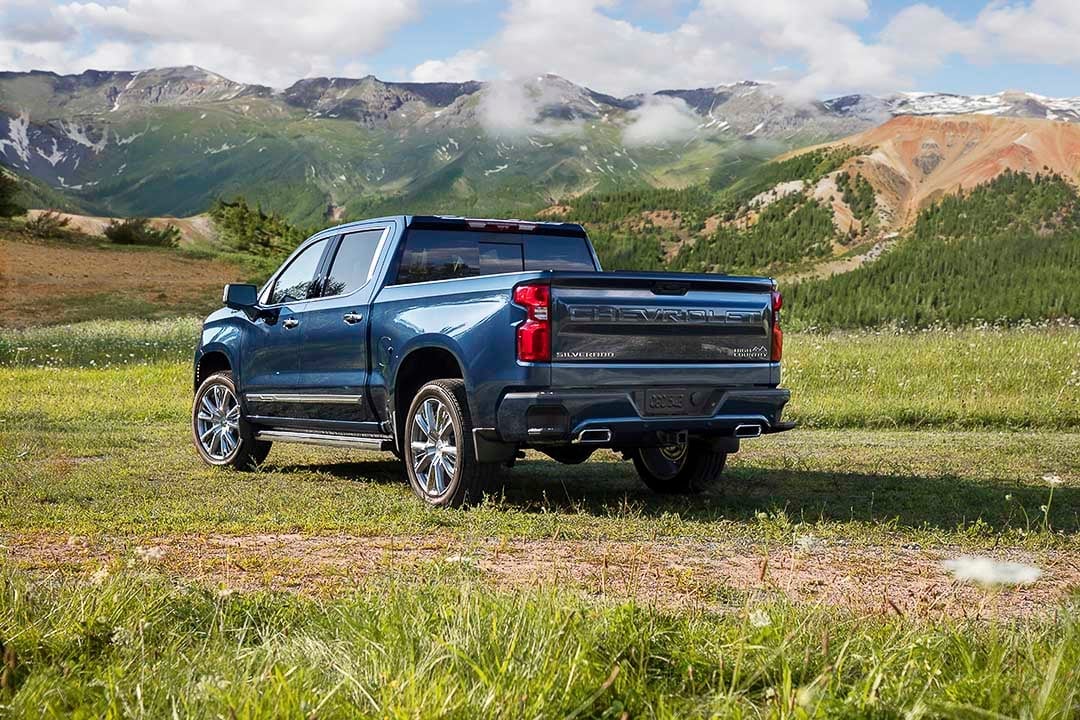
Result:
[
  {"x": 747, "y": 431},
  {"x": 593, "y": 436}
]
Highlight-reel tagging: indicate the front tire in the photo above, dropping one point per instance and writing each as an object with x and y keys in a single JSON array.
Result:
[
  {"x": 222, "y": 437},
  {"x": 684, "y": 469},
  {"x": 439, "y": 454}
]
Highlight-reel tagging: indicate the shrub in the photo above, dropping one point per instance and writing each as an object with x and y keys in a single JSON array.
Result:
[
  {"x": 49, "y": 224},
  {"x": 138, "y": 231}
]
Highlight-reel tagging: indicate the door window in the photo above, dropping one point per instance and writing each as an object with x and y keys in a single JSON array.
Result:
[
  {"x": 297, "y": 281},
  {"x": 352, "y": 262}
]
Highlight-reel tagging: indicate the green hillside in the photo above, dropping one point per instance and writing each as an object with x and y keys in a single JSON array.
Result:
[
  {"x": 713, "y": 228},
  {"x": 1007, "y": 251}
]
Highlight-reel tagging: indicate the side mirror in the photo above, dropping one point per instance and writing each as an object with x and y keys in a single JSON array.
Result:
[{"x": 240, "y": 297}]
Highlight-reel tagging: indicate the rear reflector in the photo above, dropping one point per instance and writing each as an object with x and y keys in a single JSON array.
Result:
[{"x": 534, "y": 335}]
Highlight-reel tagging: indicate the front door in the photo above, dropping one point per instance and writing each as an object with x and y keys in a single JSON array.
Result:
[
  {"x": 270, "y": 359},
  {"x": 334, "y": 358}
]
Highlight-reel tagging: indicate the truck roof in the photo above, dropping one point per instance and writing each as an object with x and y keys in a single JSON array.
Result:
[{"x": 464, "y": 223}]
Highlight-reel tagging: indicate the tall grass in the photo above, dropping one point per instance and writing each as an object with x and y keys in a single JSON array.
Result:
[
  {"x": 971, "y": 378},
  {"x": 140, "y": 646},
  {"x": 100, "y": 343},
  {"x": 978, "y": 378}
]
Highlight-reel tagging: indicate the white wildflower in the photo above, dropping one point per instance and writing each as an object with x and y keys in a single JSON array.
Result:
[
  {"x": 759, "y": 619},
  {"x": 1052, "y": 479},
  {"x": 98, "y": 576},
  {"x": 807, "y": 543},
  {"x": 463, "y": 559},
  {"x": 987, "y": 571},
  {"x": 150, "y": 554},
  {"x": 225, "y": 592}
]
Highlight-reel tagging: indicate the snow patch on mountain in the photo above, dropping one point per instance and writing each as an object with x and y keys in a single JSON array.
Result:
[
  {"x": 18, "y": 139},
  {"x": 78, "y": 134},
  {"x": 54, "y": 157}
]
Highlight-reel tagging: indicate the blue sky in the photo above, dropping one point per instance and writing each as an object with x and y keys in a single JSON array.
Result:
[{"x": 812, "y": 47}]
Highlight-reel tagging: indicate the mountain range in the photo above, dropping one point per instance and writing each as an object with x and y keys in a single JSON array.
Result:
[{"x": 169, "y": 141}]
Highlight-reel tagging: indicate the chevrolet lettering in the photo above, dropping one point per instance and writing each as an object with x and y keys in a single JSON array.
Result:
[{"x": 664, "y": 315}]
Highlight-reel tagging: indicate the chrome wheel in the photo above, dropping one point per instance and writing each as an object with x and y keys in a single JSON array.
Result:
[
  {"x": 433, "y": 446},
  {"x": 217, "y": 422}
]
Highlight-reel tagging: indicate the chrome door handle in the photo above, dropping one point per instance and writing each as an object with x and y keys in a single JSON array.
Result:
[
  {"x": 353, "y": 317},
  {"x": 289, "y": 323}
]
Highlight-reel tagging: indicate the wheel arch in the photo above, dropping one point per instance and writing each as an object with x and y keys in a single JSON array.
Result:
[
  {"x": 419, "y": 366},
  {"x": 212, "y": 360}
]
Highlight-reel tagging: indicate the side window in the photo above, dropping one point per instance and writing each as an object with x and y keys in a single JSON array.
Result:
[
  {"x": 352, "y": 262},
  {"x": 297, "y": 280}
]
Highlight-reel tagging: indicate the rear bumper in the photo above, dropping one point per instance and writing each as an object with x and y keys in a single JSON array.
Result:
[{"x": 611, "y": 417}]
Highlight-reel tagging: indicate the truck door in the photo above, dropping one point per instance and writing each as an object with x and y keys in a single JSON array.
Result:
[
  {"x": 334, "y": 362},
  {"x": 270, "y": 359}
]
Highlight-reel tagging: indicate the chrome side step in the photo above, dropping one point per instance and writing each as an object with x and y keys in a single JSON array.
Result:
[{"x": 309, "y": 437}]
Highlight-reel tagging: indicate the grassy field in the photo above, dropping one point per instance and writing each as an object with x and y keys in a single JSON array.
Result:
[
  {"x": 138, "y": 582},
  {"x": 137, "y": 645}
]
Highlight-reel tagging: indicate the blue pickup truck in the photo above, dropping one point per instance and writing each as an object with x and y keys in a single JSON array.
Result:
[{"x": 457, "y": 343}]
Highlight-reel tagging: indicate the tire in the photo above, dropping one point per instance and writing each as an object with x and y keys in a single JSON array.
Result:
[
  {"x": 224, "y": 439},
  {"x": 569, "y": 454},
  {"x": 680, "y": 470},
  {"x": 438, "y": 476}
]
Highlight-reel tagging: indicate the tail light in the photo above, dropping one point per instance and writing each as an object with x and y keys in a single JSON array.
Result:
[
  {"x": 777, "y": 333},
  {"x": 534, "y": 335}
]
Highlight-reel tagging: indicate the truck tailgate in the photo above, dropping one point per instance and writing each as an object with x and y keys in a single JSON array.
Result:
[{"x": 670, "y": 321}]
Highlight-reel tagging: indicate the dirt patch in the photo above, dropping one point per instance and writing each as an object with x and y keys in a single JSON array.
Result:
[
  {"x": 555, "y": 211},
  {"x": 908, "y": 581},
  {"x": 61, "y": 277}
]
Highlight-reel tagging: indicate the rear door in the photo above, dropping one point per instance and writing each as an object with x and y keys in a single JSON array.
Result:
[
  {"x": 636, "y": 325},
  {"x": 334, "y": 360}
]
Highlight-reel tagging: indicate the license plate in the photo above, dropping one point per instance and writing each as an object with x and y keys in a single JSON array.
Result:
[{"x": 666, "y": 402}]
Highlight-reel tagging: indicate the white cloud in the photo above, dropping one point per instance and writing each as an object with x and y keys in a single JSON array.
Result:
[
  {"x": 660, "y": 120},
  {"x": 515, "y": 107},
  {"x": 921, "y": 37},
  {"x": 718, "y": 41},
  {"x": 1043, "y": 31},
  {"x": 579, "y": 40},
  {"x": 465, "y": 65},
  {"x": 267, "y": 41}
]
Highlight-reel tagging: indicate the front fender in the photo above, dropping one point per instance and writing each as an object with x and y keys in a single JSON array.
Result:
[{"x": 222, "y": 335}]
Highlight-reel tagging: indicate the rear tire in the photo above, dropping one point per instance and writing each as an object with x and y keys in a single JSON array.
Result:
[
  {"x": 439, "y": 454},
  {"x": 680, "y": 469},
  {"x": 222, "y": 436},
  {"x": 569, "y": 454}
]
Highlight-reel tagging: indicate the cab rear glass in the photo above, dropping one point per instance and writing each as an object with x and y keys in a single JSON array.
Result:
[{"x": 443, "y": 254}]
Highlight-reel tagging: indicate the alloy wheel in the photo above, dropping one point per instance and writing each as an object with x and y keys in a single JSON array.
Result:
[
  {"x": 218, "y": 422},
  {"x": 433, "y": 445}
]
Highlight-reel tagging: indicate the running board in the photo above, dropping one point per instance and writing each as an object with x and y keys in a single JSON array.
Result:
[{"x": 328, "y": 439}]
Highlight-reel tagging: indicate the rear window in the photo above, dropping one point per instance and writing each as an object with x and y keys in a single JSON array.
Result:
[
  {"x": 430, "y": 254},
  {"x": 558, "y": 252}
]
